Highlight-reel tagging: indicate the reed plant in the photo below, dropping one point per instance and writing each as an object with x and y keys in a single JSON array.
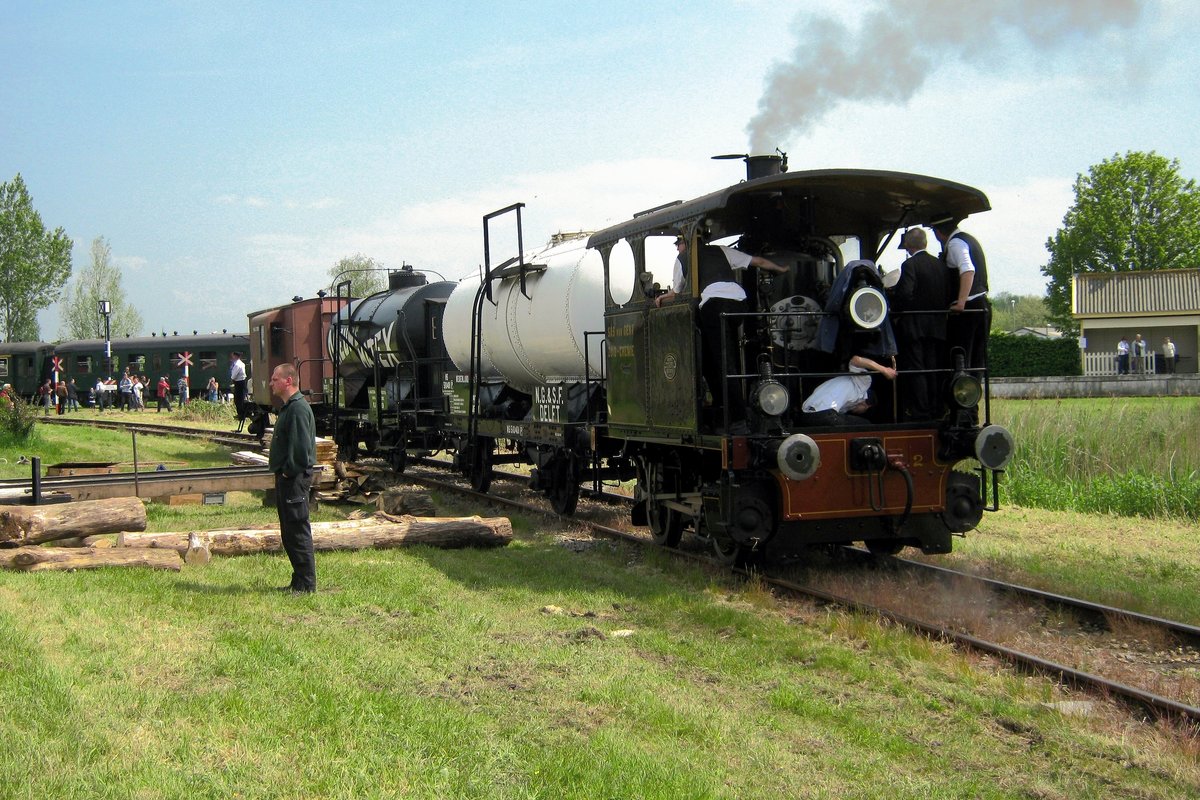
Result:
[{"x": 1127, "y": 456}]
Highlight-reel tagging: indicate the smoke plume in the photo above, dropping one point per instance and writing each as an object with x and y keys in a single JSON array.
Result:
[{"x": 898, "y": 43}]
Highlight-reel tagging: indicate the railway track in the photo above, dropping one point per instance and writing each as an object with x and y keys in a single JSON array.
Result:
[
  {"x": 230, "y": 438},
  {"x": 1149, "y": 702}
]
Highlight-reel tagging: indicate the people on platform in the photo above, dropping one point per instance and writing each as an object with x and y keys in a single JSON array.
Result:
[
  {"x": 1170, "y": 355},
  {"x": 1123, "y": 356}
]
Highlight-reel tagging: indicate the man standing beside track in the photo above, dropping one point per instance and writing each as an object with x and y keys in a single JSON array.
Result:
[
  {"x": 292, "y": 457},
  {"x": 237, "y": 377}
]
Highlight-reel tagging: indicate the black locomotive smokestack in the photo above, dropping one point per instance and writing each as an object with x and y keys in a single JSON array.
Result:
[
  {"x": 759, "y": 166},
  {"x": 764, "y": 166}
]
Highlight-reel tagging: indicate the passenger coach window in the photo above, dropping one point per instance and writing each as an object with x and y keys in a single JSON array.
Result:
[
  {"x": 83, "y": 363},
  {"x": 208, "y": 359},
  {"x": 3, "y": 367}
]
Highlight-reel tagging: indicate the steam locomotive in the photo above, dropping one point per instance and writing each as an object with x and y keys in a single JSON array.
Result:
[{"x": 561, "y": 359}]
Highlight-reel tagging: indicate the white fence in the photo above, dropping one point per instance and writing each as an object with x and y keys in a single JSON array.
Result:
[{"x": 1106, "y": 363}]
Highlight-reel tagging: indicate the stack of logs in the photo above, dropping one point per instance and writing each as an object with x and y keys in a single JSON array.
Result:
[{"x": 79, "y": 529}]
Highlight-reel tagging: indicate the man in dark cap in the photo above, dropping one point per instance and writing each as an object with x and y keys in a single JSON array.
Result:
[
  {"x": 920, "y": 295},
  {"x": 971, "y": 313}
]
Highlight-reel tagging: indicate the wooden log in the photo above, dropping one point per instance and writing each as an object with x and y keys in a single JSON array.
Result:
[
  {"x": 381, "y": 531},
  {"x": 402, "y": 501},
  {"x": 36, "y": 524},
  {"x": 197, "y": 553},
  {"x": 40, "y": 559}
]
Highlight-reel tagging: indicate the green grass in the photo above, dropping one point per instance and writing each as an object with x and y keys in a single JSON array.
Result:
[
  {"x": 1128, "y": 456},
  {"x": 56, "y": 444},
  {"x": 428, "y": 673}
]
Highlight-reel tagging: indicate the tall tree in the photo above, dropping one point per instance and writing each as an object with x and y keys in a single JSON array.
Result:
[
  {"x": 365, "y": 274},
  {"x": 99, "y": 281},
  {"x": 34, "y": 263},
  {"x": 1012, "y": 312},
  {"x": 1131, "y": 213}
]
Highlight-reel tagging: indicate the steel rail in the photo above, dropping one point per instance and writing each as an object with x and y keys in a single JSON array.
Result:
[{"x": 1192, "y": 632}]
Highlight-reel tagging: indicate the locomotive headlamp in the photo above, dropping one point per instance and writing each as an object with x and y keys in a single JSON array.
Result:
[
  {"x": 868, "y": 307},
  {"x": 965, "y": 390},
  {"x": 994, "y": 447},
  {"x": 771, "y": 397}
]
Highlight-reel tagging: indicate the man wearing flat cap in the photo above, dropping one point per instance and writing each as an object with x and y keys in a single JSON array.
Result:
[
  {"x": 920, "y": 297},
  {"x": 970, "y": 312}
]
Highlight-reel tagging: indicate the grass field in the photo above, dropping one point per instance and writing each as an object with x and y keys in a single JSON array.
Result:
[
  {"x": 444, "y": 674},
  {"x": 557, "y": 667},
  {"x": 1131, "y": 456}
]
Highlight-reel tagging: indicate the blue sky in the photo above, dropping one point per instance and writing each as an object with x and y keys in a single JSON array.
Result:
[{"x": 231, "y": 152}]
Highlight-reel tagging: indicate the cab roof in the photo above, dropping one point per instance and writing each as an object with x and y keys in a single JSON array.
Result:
[{"x": 864, "y": 203}]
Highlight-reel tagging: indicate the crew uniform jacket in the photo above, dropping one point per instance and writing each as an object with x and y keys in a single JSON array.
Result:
[
  {"x": 293, "y": 454},
  {"x": 293, "y": 443}
]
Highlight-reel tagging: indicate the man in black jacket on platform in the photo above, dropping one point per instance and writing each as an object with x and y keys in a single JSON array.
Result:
[
  {"x": 921, "y": 296},
  {"x": 293, "y": 455}
]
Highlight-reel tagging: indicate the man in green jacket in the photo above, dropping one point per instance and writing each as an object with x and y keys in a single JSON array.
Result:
[{"x": 293, "y": 454}]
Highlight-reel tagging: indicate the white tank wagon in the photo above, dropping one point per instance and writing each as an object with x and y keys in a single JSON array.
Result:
[
  {"x": 394, "y": 327},
  {"x": 535, "y": 340}
]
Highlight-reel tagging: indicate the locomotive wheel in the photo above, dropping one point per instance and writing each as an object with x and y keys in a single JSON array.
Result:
[
  {"x": 666, "y": 524},
  {"x": 481, "y": 465},
  {"x": 730, "y": 553}
]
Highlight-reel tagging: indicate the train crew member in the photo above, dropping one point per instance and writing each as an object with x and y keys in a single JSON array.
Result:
[
  {"x": 678, "y": 273},
  {"x": 720, "y": 293},
  {"x": 923, "y": 288},
  {"x": 964, "y": 257},
  {"x": 100, "y": 396},
  {"x": 237, "y": 377},
  {"x": 292, "y": 457},
  {"x": 843, "y": 399}
]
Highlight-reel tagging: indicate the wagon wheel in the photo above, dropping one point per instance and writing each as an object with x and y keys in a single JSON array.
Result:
[
  {"x": 481, "y": 464},
  {"x": 564, "y": 488},
  {"x": 398, "y": 458}
]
